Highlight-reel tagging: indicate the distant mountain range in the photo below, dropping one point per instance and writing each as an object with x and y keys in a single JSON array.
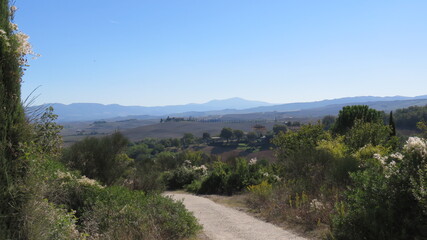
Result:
[{"x": 93, "y": 111}]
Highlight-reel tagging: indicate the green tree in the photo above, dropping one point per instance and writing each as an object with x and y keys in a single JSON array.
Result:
[
  {"x": 226, "y": 133},
  {"x": 187, "y": 139},
  {"x": 350, "y": 114},
  {"x": 239, "y": 134},
  {"x": 252, "y": 136},
  {"x": 422, "y": 125},
  {"x": 277, "y": 128},
  {"x": 297, "y": 153},
  {"x": 328, "y": 121},
  {"x": 100, "y": 158},
  {"x": 306, "y": 137},
  {"x": 206, "y": 137},
  {"x": 392, "y": 124},
  {"x": 364, "y": 133}
]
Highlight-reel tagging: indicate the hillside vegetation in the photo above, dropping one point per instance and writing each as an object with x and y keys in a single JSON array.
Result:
[{"x": 357, "y": 180}]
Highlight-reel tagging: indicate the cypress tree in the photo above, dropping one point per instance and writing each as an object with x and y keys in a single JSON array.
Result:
[
  {"x": 12, "y": 120},
  {"x": 392, "y": 125}
]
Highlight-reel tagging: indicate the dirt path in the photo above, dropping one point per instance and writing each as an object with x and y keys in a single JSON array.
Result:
[{"x": 223, "y": 223}]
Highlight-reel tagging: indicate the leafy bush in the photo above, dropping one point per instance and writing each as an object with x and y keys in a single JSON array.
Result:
[
  {"x": 216, "y": 181},
  {"x": 180, "y": 177},
  {"x": 75, "y": 205},
  {"x": 363, "y": 133},
  {"x": 47, "y": 221},
  {"x": 228, "y": 178},
  {"x": 118, "y": 213}
]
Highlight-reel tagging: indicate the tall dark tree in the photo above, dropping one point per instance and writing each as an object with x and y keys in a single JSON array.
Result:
[
  {"x": 12, "y": 120},
  {"x": 392, "y": 125}
]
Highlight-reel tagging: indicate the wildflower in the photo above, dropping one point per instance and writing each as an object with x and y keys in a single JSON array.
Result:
[
  {"x": 201, "y": 168},
  {"x": 380, "y": 158},
  {"x": 316, "y": 204},
  {"x": 397, "y": 155},
  {"x": 253, "y": 161},
  {"x": 87, "y": 181},
  {"x": 64, "y": 175}
]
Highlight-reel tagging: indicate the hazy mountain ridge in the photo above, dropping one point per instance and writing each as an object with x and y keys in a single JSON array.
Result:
[{"x": 94, "y": 111}]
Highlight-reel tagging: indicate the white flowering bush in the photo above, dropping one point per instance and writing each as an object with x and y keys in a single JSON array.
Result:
[
  {"x": 417, "y": 146},
  {"x": 16, "y": 41},
  {"x": 387, "y": 200}
]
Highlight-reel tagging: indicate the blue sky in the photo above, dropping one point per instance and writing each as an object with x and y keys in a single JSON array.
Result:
[{"x": 158, "y": 52}]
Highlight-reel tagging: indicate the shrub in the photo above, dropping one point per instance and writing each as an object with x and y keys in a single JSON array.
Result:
[
  {"x": 118, "y": 213},
  {"x": 386, "y": 199},
  {"x": 216, "y": 181},
  {"x": 259, "y": 193},
  {"x": 100, "y": 158},
  {"x": 179, "y": 177},
  {"x": 47, "y": 221},
  {"x": 363, "y": 133}
]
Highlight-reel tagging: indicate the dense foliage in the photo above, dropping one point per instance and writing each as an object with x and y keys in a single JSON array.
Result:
[
  {"x": 348, "y": 116},
  {"x": 100, "y": 158},
  {"x": 358, "y": 179},
  {"x": 407, "y": 118},
  {"x": 13, "y": 48}
]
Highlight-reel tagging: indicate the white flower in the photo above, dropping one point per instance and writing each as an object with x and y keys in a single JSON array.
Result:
[
  {"x": 87, "y": 181},
  {"x": 416, "y": 145},
  {"x": 13, "y": 26},
  {"x": 253, "y": 161},
  {"x": 397, "y": 155},
  {"x": 316, "y": 204},
  {"x": 64, "y": 175},
  {"x": 13, "y": 8},
  {"x": 380, "y": 158}
]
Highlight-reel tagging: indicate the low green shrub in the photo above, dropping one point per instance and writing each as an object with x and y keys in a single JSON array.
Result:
[{"x": 118, "y": 213}]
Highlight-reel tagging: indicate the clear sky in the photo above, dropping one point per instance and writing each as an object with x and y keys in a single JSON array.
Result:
[{"x": 167, "y": 52}]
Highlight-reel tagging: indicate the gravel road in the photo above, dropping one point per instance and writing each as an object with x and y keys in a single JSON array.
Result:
[{"x": 223, "y": 223}]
